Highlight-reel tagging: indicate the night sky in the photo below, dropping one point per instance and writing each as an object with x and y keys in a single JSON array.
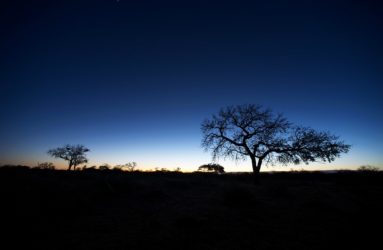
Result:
[{"x": 134, "y": 81}]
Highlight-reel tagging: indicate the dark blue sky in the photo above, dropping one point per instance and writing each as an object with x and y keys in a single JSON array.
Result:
[{"x": 133, "y": 81}]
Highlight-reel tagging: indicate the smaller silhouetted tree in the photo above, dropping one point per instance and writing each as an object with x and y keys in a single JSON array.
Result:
[
  {"x": 45, "y": 166},
  {"x": 104, "y": 167},
  {"x": 130, "y": 166},
  {"x": 74, "y": 154},
  {"x": 178, "y": 169},
  {"x": 212, "y": 167}
]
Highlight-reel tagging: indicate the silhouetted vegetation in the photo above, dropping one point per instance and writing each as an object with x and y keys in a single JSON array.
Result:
[
  {"x": 45, "y": 165},
  {"x": 74, "y": 154},
  {"x": 91, "y": 168},
  {"x": 104, "y": 167},
  {"x": 212, "y": 167},
  {"x": 368, "y": 168},
  {"x": 162, "y": 170},
  {"x": 252, "y": 131},
  {"x": 14, "y": 167},
  {"x": 130, "y": 166},
  {"x": 170, "y": 210}
]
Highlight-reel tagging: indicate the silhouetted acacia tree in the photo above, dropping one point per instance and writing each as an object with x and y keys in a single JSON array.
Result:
[
  {"x": 252, "y": 131},
  {"x": 74, "y": 154},
  {"x": 212, "y": 167},
  {"x": 177, "y": 169},
  {"x": 105, "y": 167},
  {"x": 45, "y": 165},
  {"x": 130, "y": 166}
]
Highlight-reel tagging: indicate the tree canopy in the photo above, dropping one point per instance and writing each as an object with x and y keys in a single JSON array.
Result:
[
  {"x": 252, "y": 131},
  {"x": 74, "y": 154}
]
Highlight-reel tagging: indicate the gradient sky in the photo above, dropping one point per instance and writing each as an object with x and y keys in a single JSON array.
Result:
[{"x": 133, "y": 81}]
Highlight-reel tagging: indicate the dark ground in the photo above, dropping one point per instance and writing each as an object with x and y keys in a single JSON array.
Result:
[{"x": 113, "y": 210}]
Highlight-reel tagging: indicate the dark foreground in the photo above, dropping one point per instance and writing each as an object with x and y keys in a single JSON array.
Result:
[{"x": 112, "y": 210}]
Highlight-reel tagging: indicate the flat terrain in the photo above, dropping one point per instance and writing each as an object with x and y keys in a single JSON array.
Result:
[{"x": 114, "y": 210}]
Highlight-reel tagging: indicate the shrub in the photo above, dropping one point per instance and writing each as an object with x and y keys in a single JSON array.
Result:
[
  {"x": 104, "y": 167},
  {"x": 45, "y": 166},
  {"x": 368, "y": 168}
]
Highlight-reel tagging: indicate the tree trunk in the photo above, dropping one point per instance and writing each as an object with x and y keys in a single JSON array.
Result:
[
  {"x": 69, "y": 167},
  {"x": 256, "y": 169}
]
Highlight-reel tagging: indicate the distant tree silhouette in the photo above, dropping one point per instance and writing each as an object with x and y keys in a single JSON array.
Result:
[
  {"x": 212, "y": 167},
  {"x": 251, "y": 131},
  {"x": 45, "y": 165},
  {"x": 178, "y": 169},
  {"x": 130, "y": 166},
  {"x": 74, "y": 154},
  {"x": 104, "y": 167},
  {"x": 368, "y": 168}
]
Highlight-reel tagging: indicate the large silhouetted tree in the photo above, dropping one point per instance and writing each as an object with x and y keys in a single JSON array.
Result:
[
  {"x": 251, "y": 131},
  {"x": 74, "y": 154}
]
